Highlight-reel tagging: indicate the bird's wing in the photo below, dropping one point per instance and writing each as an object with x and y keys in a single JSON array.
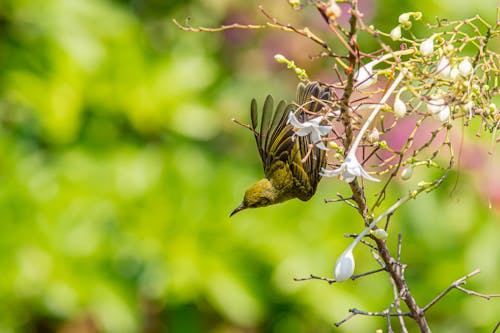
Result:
[
  {"x": 279, "y": 148},
  {"x": 274, "y": 137},
  {"x": 307, "y": 172}
]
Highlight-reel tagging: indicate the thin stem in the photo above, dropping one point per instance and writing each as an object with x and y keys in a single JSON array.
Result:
[{"x": 378, "y": 106}]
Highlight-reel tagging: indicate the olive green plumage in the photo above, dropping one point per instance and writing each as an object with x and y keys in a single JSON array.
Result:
[{"x": 282, "y": 152}]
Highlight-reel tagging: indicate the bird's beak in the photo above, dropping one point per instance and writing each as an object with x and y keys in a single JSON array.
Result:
[{"x": 237, "y": 209}]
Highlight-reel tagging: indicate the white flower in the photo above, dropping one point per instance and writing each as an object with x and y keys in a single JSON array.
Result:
[
  {"x": 444, "y": 114},
  {"x": 344, "y": 267},
  {"x": 280, "y": 58},
  {"x": 310, "y": 127},
  {"x": 407, "y": 172},
  {"x": 427, "y": 47},
  {"x": 334, "y": 113},
  {"x": 379, "y": 233},
  {"x": 439, "y": 109},
  {"x": 468, "y": 106},
  {"x": 365, "y": 77},
  {"x": 396, "y": 33},
  {"x": 294, "y": 3},
  {"x": 493, "y": 108},
  {"x": 373, "y": 136},
  {"x": 465, "y": 67},
  {"x": 349, "y": 170},
  {"x": 404, "y": 18},
  {"x": 435, "y": 105},
  {"x": 333, "y": 11},
  {"x": 399, "y": 106},
  {"x": 443, "y": 68},
  {"x": 454, "y": 73}
]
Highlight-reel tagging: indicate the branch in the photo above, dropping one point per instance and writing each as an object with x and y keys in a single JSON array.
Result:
[
  {"x": 355, "y": 312},
  {"x": 458, "y": 285},
  {"x": 331, "y": 281},
  {"x": 221, "y": 28}
]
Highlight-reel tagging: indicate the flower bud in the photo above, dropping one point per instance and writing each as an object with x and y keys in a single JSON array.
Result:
[
  {"x": 475, "y": 88},
  {"x": 373, "y": 136},
  {"x": 334, "y": 145},
  {"x": 380, "y": 234},
  {"x": 444, "y": 114},
  {"x": 407, "y": 172},
  {"x": 492, "y": 108},
  {"x": 465, "y": 67},
  {"x": 344, "y": 267},
  {"x": 443, "y": 68},
  {"x": 399, "y": 106},
  {"x": 365, "y": 77},
  {"x": 454, "y": 73},
  {"x": 404, "y": 18},
  {"x": 396, "y": 33},
  {"x": 439, "y": 109},
  {"x": 294, "y": 3},
  {"x": 424, "y": 185},
  {"x": 435, "y": 105},
  {"x": 333, "y": 10},
  {"x": 427, "y": 47},
  {"x": 280, "y": 58},
  {"x": 469, "y": 105}
]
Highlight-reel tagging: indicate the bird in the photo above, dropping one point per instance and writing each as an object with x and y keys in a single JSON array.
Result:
[{"x": 292, "y": 163}]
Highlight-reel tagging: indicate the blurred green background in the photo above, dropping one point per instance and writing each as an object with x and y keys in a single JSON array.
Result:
[{"x": 120, "y": 165}]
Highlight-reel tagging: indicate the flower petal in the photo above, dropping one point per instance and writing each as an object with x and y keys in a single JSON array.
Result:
[
  {"x": 365, "y": 175},
  {"x": 315, "y": 137},
  {"x": 315, "y": 121},
  {"x": 347, "y": 177},
  {"x": 444, "y": 114},
  {"x": 324, "y": 130},
  {"x": 321, "y": 145},
  {"x": 292, "y": 119},
  {"x": 330, "y": 173},
  {"x": 303, "y": 131},
  {"x": 344, "y": 267}
]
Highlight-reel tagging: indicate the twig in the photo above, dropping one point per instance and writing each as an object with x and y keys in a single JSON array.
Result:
[
  {"x": 496, "y": 327},
  {"x": 395, "y": 290},
  {"x": 221, "y": 28},
  {"x": 379, "y": 314},
  {"x": 234, "y": 120},
  {"x": 339, "y": 323},
  {"x": 473, "y": 293},
  {"x": 331, "y": 281},
  {"x": 342, "y": 199},
  {"x": 457, "y": 285},
  {"x": 315, "y": 277},
  {"x": 385, "y": 313}
]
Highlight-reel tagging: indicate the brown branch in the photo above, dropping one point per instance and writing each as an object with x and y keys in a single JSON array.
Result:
[
  {"x": 344, "y": 200},
  {"x": 416, "y": 313},
  {"x": 236, "y": 121},
  {"x": 497, "y": 326},
  {"x": 315, "y": 277},
  {"x": 397, "y": 298},
  {"x": 457, "y": 285},
  {"x": 331, "y": 281},
  {"x": 221, "y": 28}
]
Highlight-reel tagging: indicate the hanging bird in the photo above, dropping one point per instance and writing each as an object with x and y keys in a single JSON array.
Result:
[{"x": 291, "y": 170}]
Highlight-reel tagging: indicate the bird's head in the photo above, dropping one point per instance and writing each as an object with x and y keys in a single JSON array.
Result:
[{"x": 260, "y": 194}]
